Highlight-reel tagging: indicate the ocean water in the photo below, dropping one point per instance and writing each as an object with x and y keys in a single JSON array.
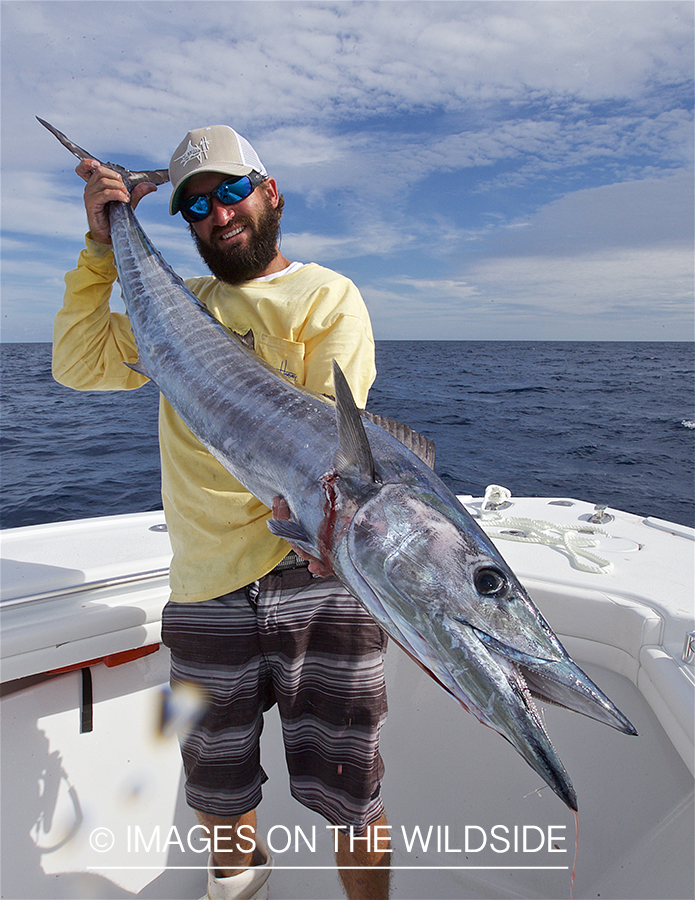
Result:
[{"x": 610, "y": 423}]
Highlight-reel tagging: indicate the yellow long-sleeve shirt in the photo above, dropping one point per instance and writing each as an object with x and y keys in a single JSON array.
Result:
[{"x": 301, "y": 321}]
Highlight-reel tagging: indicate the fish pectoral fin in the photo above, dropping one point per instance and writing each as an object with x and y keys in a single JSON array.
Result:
[
  {"x": 354, "y": 455},
  {"x": 293, "y": 533}
]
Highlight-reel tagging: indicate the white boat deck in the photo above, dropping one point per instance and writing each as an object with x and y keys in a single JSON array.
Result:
[{"x": 86, "y": 591}]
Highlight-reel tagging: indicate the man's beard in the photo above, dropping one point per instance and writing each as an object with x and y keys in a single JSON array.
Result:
[{"x": 238, "y": 263}]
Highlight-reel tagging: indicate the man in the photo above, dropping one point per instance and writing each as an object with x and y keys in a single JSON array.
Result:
[{"x": 247, "y": 621}]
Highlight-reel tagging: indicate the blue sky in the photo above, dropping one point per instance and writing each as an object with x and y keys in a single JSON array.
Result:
[{"x": 482, "y": 170}]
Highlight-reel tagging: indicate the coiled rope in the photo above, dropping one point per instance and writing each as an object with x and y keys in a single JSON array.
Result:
[{"x": 578, "y": 542}]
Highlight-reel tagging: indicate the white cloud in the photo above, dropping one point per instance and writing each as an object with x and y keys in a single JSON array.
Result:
[
  {"x": 34, "y": 204},
  {"x": 611, "y": 295},
  {"x": 609, "y": 263},
  {"x": 310, "y": 246},
  {"x": 279, "y": 63},
  {"x": 375, "y": 238},
  {"x": 510, "y": 105},
  {"x": 619, "y": 294},
  {"x": 637, "y": 214},
  {"x": 648, "y": 281}
]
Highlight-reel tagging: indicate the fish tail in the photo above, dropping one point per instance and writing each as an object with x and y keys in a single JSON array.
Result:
[{"x": 130, "y": 179}]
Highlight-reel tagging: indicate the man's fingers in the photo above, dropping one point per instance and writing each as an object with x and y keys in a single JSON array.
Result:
[
  {"x": 280, "y": 508},
  {"x": 318, "y": 569},
  {"x": 106, "y": 186},
  {"x": 101, "y": 179},
  {"x": 86, "y": 168}
]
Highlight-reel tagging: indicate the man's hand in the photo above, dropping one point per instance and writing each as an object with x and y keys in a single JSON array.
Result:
[
  {"x": 105, "y": 186},
  {"x": 281, "y": 510}
]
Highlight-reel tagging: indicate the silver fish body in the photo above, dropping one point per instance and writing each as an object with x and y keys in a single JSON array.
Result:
[{"x": 389, "y": 528}]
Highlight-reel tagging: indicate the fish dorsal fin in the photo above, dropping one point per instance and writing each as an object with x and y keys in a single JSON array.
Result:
[
  {"x": 353, "y": 456},
  {"x": 421, "y": 446}
]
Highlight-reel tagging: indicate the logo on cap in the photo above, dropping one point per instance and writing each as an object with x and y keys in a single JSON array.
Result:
[{"x": 197, "y": 152}]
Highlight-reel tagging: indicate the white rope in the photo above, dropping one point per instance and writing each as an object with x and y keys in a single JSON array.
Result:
[{"x": 577, "y": 542}]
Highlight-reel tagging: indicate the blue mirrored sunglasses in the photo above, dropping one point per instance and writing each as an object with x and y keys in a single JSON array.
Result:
[{"x": 199, "y": 207}]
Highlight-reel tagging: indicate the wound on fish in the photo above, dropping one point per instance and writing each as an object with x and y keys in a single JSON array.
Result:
[{"x": 326, "y": 532}]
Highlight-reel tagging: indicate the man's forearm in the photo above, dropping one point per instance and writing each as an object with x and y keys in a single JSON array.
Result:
[{"x": 90, "y": 342}]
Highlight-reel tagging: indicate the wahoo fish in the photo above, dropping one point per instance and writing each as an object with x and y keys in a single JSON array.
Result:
[{"x": 360, "y": 500}]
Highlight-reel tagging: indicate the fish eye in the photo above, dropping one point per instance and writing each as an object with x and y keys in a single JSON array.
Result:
[{"x": 490, "y": 582}]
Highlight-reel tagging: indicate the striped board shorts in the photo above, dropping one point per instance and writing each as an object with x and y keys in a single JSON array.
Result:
[{"x": 307, "y": 645}]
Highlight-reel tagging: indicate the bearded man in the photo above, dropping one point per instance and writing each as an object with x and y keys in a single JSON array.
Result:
[{"x": 246, "y": 613}]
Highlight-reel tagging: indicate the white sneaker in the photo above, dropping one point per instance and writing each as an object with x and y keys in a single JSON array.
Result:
[{"x": 251, "y": 884}]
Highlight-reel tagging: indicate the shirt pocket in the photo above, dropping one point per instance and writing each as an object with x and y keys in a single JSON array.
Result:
[{"x": 285, "y": 356}]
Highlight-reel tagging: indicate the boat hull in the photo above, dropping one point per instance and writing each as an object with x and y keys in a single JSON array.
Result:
[{"x": 490, "y": 830}]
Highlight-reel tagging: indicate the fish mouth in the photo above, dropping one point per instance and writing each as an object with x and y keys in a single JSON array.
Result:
[
  {"x": 499, "y": 695},
  {"x": 560, "y": 682},
  {"x": 522, "y": 726}
]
